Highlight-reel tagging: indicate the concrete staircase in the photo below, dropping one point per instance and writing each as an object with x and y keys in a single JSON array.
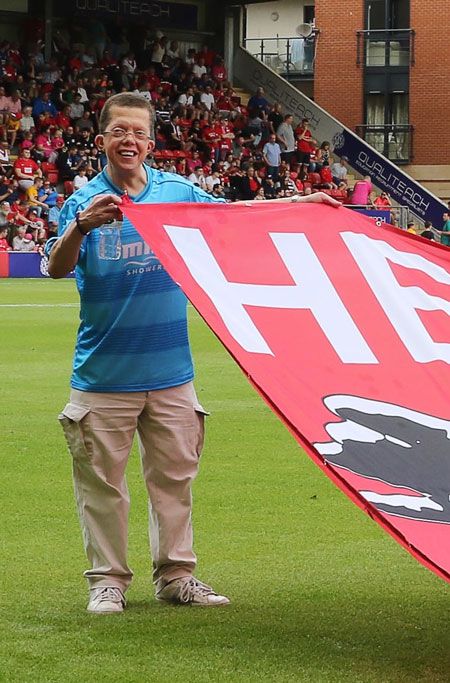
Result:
[
  {"x": 435, "y": 178},
  {"x": 245, "y": 96}
]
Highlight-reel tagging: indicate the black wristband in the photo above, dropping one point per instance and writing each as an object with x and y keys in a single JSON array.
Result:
[{"x": 77, "y": 221}]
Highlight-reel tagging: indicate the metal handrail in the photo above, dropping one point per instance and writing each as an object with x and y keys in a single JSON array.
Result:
[
  {"x": 277, "y": 37},
  {"x": 387, "y": 35},
  {"x": 400, "y": 212},
  {"x": 386, "y": 30},
  {"x": 286, "y": 62},
  {"x": 388, "y": 130}
]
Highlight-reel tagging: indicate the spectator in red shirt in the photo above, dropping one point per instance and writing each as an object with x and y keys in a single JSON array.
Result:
[
  {"x": 45, "y": 120},
  {"x": 207, "y": 54},
  {"x": 181, "y": 167},
  {"x": 226, "y": 136},
  {"x": 101, "y": 100},
  {"x": 383, "y": 200},
  {"x": 63, "y": 118},
  {"x": 75, "y": 62},
  {"x": 18, "y": 213},
  {"x": 327, "y": 177},
  {"x": 25, "y": 170},
  {"x": 225, "y": 101},
  {"x": 107, "y": 60},
  {"x": 305, "y": 144},
  {"x": 152, "y": 78},
  {"x": 15, "y": 55},
  {"x": 219, "y": 71},
  {"x": 212, "y": 140},
  {"x": 9, "y": 71},
  {"x": 4, "y": 245}
]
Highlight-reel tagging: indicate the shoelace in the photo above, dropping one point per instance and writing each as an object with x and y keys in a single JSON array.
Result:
[
  {"x": 111, "y": 594},
  {"x": 192, "y": 588}
]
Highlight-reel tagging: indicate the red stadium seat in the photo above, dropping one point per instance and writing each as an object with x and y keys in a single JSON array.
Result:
[
  {"x": 68, "y": 187},
  {"x": 340, "y": 195},
  {"x": 50, "y": 171},
  {"x": 315, "y": 179}
]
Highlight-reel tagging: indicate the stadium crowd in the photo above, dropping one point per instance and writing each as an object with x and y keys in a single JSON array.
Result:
[{"x": 49, "y": 113}]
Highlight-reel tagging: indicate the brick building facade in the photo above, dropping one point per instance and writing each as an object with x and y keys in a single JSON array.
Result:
[
  {"x": 403, "y": 68},
  {"x": 337, "y": 80}
]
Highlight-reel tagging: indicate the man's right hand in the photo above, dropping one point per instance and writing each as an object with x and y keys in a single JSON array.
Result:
[
  {"x": 65, "y": 251},
  {"x": 103, "y": 208}
]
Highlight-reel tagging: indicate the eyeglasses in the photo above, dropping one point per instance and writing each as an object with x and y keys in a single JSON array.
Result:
[{"x": 121, "y": 134}]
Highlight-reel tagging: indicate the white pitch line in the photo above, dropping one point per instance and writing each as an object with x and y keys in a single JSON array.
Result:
[
  {"x": 38, "y": 305},
  {"x": 50, "y": 305}
]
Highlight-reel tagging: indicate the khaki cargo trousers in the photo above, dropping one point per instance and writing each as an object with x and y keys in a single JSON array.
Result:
[{"x": 99, "y": 429}]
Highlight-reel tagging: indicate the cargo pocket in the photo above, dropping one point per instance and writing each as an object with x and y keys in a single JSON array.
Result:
[
  {"x": 201, "y": 414},
  {"x": 70, "y": 420}
]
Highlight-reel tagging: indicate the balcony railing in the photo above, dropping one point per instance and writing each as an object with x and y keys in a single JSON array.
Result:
[
  {"x": 393, "y": 141},
  {"x": 385, "y": 48},
  {"x": 291, "y": 56}
]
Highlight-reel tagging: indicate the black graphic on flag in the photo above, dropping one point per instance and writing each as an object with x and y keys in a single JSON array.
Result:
[{"x": 404, "y": 449}]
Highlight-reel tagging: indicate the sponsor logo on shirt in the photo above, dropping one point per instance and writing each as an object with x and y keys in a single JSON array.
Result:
[{"x": 139, "y": 258}]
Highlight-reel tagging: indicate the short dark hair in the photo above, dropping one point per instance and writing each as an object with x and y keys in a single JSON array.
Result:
[{"x": 125, "y": 99}]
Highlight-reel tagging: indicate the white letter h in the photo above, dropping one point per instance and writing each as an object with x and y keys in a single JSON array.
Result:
[{"x": 312, "y": 290}]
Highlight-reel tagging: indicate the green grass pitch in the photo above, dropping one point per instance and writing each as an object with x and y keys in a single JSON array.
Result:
[{"x": 319, "y": 593}]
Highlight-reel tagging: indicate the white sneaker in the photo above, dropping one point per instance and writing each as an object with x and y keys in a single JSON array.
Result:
[
  {"x": 106, "y": 600},
  {"x": 190, "y": 591}
]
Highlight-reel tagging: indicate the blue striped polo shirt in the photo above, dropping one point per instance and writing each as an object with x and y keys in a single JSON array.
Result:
[{"x": 133, "y": 327}]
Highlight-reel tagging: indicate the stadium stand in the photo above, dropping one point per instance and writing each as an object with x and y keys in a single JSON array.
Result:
[{"x": 49, "y": 113}]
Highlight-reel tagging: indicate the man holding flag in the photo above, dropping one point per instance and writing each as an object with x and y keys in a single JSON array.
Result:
[{"x": 132, "y": 371}]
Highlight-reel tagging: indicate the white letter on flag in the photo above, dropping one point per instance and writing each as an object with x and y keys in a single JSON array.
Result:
[
  {"x": 402, "y": 303},
  {"x": 313, "y": 290}
]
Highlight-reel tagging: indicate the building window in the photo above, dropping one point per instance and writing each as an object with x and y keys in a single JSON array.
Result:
[
  {"x": 387, "y": 14},
  {"x": 387, "y": 124},
  {"x": 308, "y": 14}
]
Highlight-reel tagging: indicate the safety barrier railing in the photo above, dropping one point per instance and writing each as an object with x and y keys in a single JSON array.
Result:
[
  {"x": 385, "y": 48},
  {"x": 394, "y": 141},
  {"x": 289, "y": 56},
  {"x": 395, "y": 215}
]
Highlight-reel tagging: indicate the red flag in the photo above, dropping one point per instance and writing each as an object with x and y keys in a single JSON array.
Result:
[{"x": 343, "y": 327}]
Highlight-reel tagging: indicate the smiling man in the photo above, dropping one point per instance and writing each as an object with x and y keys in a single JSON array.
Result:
[{"x": 132, "y": 372}]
